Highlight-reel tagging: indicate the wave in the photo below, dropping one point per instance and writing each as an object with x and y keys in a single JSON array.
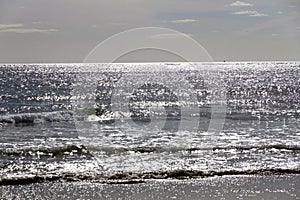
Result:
[
  {"x": 131, "y": 177},
  {"x": 57, "y": 152},
  {"x": 86, "y": 151},
  {"x": 59, "y": 116},
  {"x": 254, "y": 115},
  {"x": 114, "y": 150},
  {"x": 34, "y": 118},
  {"x": 246, "y": 148}
]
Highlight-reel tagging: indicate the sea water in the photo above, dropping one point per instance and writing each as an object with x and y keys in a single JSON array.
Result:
[{"x": 148, "y": 120}]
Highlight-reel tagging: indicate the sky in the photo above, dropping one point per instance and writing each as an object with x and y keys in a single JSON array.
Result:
[{"x": 56, "y": 31}]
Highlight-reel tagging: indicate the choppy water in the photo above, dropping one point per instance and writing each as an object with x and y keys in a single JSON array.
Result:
[{"x": 78, "y": 122}]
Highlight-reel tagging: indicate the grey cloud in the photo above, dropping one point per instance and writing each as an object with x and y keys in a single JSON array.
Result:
[
  {"x": 170, "y": 36},
  {"x": 240, "y": 4},
  {"x": 26, "y": 30},
  {"x": 251, "y": 13},
  {"x": 184, "y": 21},
  {"x": 8, "y": 26},
  {"x": 19, "y": 28}
]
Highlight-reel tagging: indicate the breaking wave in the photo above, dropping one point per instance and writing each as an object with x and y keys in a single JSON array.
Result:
[
  {"x": 33, "y": 118},
  {"x": 133, "y": 178},
  {"x": 52, "y": 152}
]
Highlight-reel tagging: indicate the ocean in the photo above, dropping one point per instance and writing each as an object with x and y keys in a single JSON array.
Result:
[{"x": 131, "y": 122}]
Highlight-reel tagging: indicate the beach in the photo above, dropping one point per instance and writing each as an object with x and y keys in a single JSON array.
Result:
[{"x": 218, "y": 187}]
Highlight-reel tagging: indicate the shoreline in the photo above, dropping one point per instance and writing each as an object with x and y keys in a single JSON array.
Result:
[{"x": 217, "y": 187}]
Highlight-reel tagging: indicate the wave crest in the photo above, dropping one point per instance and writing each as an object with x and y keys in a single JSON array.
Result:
[{"x": 33, "y": 118}]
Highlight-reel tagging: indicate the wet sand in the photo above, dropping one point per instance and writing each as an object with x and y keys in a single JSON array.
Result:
[{"x": 219, "y": 187}]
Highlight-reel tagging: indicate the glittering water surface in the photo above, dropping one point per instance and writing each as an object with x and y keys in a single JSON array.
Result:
[{"x": 43, "y": 133}]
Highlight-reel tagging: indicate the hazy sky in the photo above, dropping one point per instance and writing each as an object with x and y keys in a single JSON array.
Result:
[{"x": 67, "y": 30}]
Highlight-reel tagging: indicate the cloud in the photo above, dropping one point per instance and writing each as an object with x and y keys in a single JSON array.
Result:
[
  {"x": 240, "y": 4},
  {"x": 7, "y": 26},
  {"x": 26, "y": 30},
  {"x": 251, "y": 13},
  {"x": 19, "y": 28},
  {"x": 184, "y": 21},
  {"x": 170, "y": 36}
]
